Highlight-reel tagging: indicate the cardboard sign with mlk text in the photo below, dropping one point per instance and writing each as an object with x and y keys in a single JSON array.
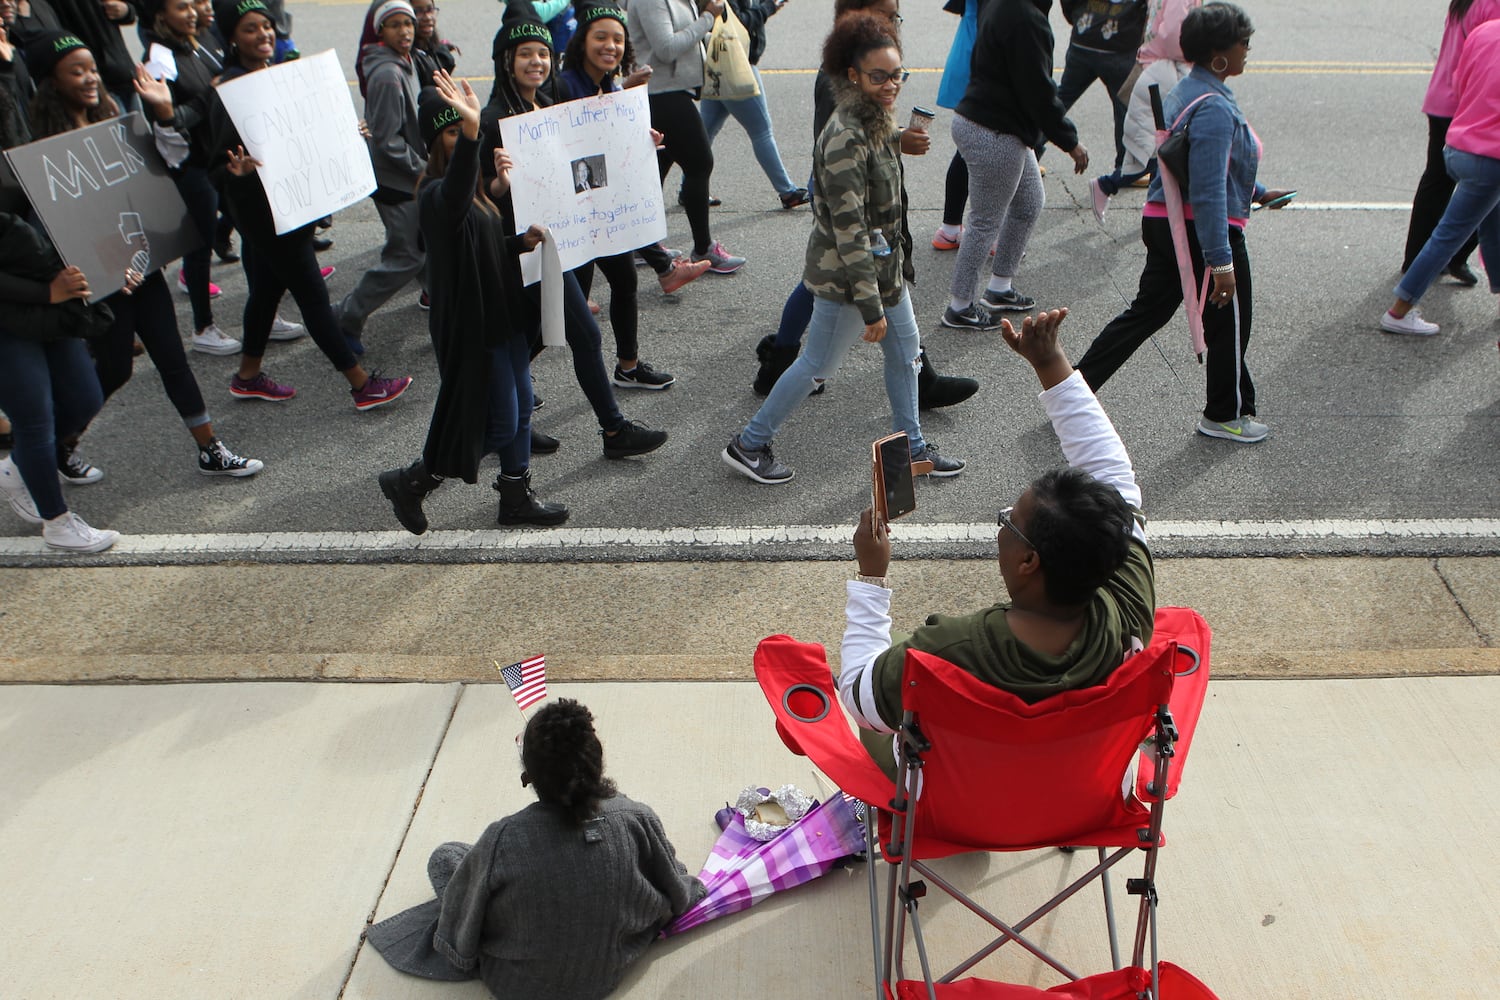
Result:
[{"x": 106, "y": 199}]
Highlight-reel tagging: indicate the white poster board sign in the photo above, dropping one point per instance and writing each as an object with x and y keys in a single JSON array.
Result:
[
  {"x": 298, "y": 120},
  {"x": 587, "y": 171}
]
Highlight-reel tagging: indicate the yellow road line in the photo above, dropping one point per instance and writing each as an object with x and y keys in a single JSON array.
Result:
[{"x": 1262, "y": 69}]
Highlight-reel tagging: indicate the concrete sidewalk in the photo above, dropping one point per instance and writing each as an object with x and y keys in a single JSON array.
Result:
[
  {"x": 1273, "y": 618},
  {"x": 232, "y": 840}
]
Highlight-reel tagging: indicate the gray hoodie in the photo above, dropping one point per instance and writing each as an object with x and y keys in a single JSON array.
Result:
[{"x": 391, "y": 110}]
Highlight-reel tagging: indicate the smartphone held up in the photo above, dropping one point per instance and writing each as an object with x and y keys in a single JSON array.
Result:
[{"x": 894, "y": 488}]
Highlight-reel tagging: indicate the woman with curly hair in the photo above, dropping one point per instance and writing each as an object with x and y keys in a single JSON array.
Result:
[
  {"x": 557, "y": 900},
  {"x": 858, "y": 261},
  {"x": 777, "y": 351}
]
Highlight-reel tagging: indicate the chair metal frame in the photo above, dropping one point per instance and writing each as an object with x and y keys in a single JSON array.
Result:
[
  {"x": 1171, "y": 674},
  {"x": 900, "y": 816}
]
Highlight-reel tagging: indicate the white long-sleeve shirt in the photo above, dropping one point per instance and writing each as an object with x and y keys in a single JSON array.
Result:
[{"x": 1089, "y": 443}]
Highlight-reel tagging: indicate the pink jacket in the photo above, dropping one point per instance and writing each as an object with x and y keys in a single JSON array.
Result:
[
  {"x": 1164, "y": 30},
  {"x": 1441, "y": 101},
  {"x": 1476, "y": 81}
]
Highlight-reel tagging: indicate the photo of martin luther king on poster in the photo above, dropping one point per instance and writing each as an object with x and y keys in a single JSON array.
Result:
[{"x": 589, "y": 173}]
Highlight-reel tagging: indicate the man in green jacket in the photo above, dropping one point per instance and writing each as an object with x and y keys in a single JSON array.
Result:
[{"x": 1072, "y": 553}]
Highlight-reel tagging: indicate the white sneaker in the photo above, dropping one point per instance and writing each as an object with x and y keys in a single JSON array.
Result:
[
  {"x": 1412, "y": 324},
  {"x": 16, "y": 492},
  {"x": 67, "y": 532},
  {"x": 212, "y": 340},
  {"x": 282, "y": 330}
]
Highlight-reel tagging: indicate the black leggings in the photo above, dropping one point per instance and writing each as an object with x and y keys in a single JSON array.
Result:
[
  {"x": 148, "y": 313},
  {"x": 203, "y": 207},
  {"x": 956, "y": 191},
  {"x": 619, "y": 271},
  {"x": 289, "y": 264},
  {"x": 1431, "y": 200},
  {"x": 686, "y": 144},
  {"x": 1226, "y": 329}
]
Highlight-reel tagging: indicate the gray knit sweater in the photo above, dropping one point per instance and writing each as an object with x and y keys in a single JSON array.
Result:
[{"x": 547, "y": 911}]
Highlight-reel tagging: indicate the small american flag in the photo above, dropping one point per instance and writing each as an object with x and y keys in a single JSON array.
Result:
[{"x": 527, "y": 680}]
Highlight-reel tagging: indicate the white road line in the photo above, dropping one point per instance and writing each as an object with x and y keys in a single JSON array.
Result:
[
  {"x": 1348, "y": 206},
  {"x": 377, "y": 542}
]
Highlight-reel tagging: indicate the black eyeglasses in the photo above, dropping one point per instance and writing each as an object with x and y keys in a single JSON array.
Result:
[
  {"x": 880, "y": 77},
  {"x": 1003, "y": 520}
]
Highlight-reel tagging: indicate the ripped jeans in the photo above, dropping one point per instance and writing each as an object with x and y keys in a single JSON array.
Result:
[{"x": 836, "y": 327}]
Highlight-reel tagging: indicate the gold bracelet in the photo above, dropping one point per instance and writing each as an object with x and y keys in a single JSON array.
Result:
[{"x": 878, "y": 581}]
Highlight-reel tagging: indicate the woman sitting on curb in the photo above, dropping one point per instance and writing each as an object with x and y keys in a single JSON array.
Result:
[{"x": 556, "y": 901}]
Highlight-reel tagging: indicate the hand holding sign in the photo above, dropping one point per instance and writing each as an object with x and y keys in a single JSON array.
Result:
[
  {"x": 289, "y": 117},
  {"x": 241, "y": 163},
  {"x": 69, "y": 283}
]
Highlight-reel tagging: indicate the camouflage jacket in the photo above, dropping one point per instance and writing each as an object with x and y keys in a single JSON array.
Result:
[{"x": 860, "y": 189}]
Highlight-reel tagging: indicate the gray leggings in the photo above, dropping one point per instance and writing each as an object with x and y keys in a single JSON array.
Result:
[{"x": 1005, "y": 200}]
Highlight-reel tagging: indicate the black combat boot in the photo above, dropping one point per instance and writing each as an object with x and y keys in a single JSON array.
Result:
[
  {"x": 405, "y": 488},
  {"x": 519, "y": 505},
  {"x": 773, "y": 361},
  {"x": 934, "y": 390}
]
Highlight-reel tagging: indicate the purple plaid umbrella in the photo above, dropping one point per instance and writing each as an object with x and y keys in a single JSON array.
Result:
[{"x": 741, "y": 871}]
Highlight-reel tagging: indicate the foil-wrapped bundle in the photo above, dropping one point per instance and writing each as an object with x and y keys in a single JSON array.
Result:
[{"x": 768, "y": 813}]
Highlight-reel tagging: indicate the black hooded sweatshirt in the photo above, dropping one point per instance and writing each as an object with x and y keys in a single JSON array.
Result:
[{"x": 1010, "y": 79}]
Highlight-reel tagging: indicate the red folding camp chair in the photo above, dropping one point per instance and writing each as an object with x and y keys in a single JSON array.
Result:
[{"x": 1051, "y": 775}]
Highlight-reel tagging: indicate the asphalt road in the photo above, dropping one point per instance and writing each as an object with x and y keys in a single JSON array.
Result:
[{"x": 1365, "y": 426}]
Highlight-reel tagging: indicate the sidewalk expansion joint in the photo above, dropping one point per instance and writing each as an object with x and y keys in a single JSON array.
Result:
[
  {"x": 1485, "y": 638},
  {"x": 405, "y": 832}
]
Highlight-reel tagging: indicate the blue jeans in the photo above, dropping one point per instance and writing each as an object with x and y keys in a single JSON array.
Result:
[
  {"x": 1475, "y": 205},
  {"x": 795, "y": 316},
  {"x": 754, "y": 117},
  {"x": 49, "y": 391},
  {"x": 507, "y": 427},
  {"x": 835, "y": 328},
  {"x": 1081, "y": 67}
]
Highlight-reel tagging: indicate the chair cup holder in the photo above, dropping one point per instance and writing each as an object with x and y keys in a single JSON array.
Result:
[
  {"x": 805, "y": 703},
  {"x": 1192, "y": 654}
]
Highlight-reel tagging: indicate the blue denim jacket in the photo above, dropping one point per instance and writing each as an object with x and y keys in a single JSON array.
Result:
[{"x": 1223, "y": 157}]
